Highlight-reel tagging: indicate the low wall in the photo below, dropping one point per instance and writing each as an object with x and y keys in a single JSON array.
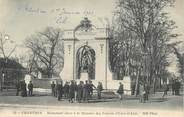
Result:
[{"x": 45, "y": 83}]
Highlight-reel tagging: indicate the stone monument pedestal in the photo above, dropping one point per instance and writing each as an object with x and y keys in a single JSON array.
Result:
[{"x": 84, "y": 76}]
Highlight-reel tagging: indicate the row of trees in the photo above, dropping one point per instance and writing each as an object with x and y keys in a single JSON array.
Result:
[{"x": 140, "y": 42}]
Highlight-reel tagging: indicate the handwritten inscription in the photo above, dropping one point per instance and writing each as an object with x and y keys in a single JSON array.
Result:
[{"x": 62, "y": 14}]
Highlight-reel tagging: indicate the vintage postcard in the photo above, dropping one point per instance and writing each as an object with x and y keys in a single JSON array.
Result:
[{"x": 91, "y": 58}]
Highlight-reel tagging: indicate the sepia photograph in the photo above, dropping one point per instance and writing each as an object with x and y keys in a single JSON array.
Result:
[{"x": 91, "y": 58}]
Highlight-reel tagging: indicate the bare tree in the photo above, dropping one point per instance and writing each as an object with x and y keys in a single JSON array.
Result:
[
  {"x": 47, "y": 50},
  {"x": 149, "y": 30}
]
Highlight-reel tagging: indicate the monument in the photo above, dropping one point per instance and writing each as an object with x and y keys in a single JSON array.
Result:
[{"x": 86, "y": 54}]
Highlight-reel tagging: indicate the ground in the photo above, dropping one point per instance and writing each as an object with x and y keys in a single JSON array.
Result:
[
  {"x": 45, "y": 105},
  {"x": 170, "y": 102}
]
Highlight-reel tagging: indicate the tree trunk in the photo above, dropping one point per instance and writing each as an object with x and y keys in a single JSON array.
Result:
[
  {"x": 137, "y": 83},
  {"x": 154, "y": 85}
]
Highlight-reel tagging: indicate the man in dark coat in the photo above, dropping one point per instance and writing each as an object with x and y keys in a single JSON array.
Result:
[
  {"x": 71, "y": 92},
  {"x": 80, "y": 91},
  {"x": 86, "y": 92},
  {"x": 17, "y": 88},
  {"x": 91, "y": 86},
  {"x": 66, "y": 89},
  {"x": 177, "y": 87},
  {"x": 53, "y": 88},
  {"x": 75, "y": 90},
  {"x": 120, "y": 90},
  {"x": 30, "y": 88},
  {"x": 99, "y": 89},
  {"x": 23, "y": 89},
  {"x": 60, "y": 90}
]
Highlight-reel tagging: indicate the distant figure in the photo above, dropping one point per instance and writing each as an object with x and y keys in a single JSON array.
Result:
[
  {"x": 120, "y": 90},
  {"x": 177, "y": 87},
  {"x": 99, "y": 89},
  {"x": 141, "y": 93},
  {"x": 18, "y": 88},
  {"x": 60, "y": 90},
  {"x": 30, "y": 88},
  {"x": 91, "y": 86},
  {"x": 165, "y": 89},
  {"x": 173, "y": 85},
  {"x": 72, "y": 92},
  {"x": 86, "y": 92},
  {"x": 75, "y": 90},
  {"x": 53, "y": 88},
  {"x": 23, "y": 89},
  {"x": 66, "y": 90},
  {"x": 80, "y": 91},
  {"x": 147, "y": 89}
]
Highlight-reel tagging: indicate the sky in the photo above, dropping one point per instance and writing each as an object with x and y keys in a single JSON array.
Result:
[{"x": 21, "y": 18}]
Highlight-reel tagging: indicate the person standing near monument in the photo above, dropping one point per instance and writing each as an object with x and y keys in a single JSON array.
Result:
[
  {"x": 91, "y": 86},
  {"x": 75, "y": 91},
  {"x": 120, "y": 90},
  {"x": 86, "y": 92},
  {"x": 53, "y": 88},
  {"x": 72, "y": 92},
  {"x": 66, "y": 89},
  {"x": 60, "y": 90},
  {"x": 99, "y": 89},
  {"x": 23, "y": 89},
  {"x": 80, "y": 91},
  {"x": 30, "y": 88}
]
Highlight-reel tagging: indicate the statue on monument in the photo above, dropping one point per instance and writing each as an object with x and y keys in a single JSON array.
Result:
[
  {"x": 85, "y": 25},
  {"x": 85, "y": 62}
]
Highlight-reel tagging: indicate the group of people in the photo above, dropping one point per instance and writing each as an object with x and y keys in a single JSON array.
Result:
[
  {"x": 175, "y": 85},
  {"x": 72, "y": 91},
  {"x": 145, "y": 88},
  {"x": 21, "y": 87},
  {"x": 83, "y": 91}
]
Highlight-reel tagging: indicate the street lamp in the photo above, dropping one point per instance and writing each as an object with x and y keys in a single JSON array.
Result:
[
  {"x": 6, "y": 37},
  {"x": 3, "y": 40}
]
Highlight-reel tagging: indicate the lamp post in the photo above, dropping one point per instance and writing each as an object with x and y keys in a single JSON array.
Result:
[{"x": 4, "y": 38}]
